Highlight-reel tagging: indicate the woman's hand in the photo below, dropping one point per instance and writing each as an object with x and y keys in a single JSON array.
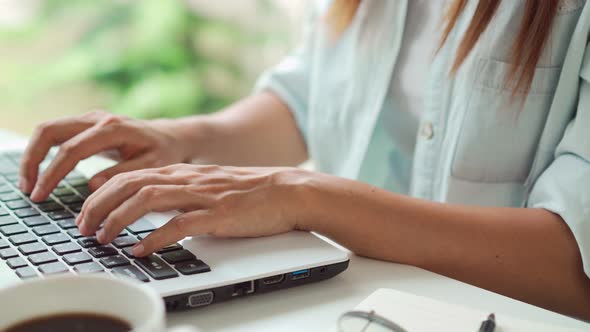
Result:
[
  {"x": 221, "y": 201},
  {"x": 140, "y": 144}
]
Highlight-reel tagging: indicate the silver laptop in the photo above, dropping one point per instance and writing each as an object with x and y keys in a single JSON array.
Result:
[{"x": 39, "y": 240}]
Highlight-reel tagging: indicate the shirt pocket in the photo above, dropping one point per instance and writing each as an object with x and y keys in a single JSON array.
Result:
[{"x": 498, "y": 137}]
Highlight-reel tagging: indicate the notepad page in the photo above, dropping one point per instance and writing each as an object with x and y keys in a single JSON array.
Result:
[{"x": 421, "y": 314}]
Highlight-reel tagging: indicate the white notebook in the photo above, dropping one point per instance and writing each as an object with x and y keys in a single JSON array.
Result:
[{"x": 422, "y": 314}]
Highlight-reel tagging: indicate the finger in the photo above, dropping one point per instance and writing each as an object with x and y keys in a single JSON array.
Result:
[
  {"x": 141, "y": 162},
  {"x": 187, "y": 224},
  {"x": 87, "y": 143},
  {"x": 114, "y": 193},
  {"x": 154, "y": 198},
  {"x": 44, "y": 138}
]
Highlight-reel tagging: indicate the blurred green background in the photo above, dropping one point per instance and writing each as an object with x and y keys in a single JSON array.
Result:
[{"x": 144, "y": 58}]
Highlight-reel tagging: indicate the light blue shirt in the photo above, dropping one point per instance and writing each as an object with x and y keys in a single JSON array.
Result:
[{"x": 473, "y": 145}]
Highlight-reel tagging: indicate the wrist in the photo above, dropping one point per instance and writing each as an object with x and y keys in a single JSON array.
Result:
[
  {"x": 188, "y": 135},
  {"x": 307, "y": 198}
]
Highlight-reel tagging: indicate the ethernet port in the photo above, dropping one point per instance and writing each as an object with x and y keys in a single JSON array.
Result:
[{"x": 243, "y": 288}]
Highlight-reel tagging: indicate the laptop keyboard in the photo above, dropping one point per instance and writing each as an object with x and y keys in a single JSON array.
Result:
[{"x": 39, "y": 239}]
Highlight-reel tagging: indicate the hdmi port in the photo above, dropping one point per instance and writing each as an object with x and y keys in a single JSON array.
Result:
[{"x": 274, "y": 279}]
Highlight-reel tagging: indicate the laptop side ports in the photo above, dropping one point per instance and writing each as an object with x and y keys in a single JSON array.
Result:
[
  {"x": 200, "y": 299},
  {"x": 243, "y": 288},
  {"x": 301, "y": 274},
  {"x": 273, "y": 280}
]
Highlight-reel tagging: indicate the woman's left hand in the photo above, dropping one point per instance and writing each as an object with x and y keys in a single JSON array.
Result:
[{"x": 216, "y": 200}]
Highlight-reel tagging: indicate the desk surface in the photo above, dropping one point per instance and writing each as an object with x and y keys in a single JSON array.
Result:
[{"x": 316, "y": 307}]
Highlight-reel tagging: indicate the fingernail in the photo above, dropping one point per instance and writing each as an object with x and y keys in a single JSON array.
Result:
[
  {"x": 78, "y": 221},
  {"x": 138, "y": 250},
  {"x": 36, "y": 194},
  {"x": 100, "y": 236}
]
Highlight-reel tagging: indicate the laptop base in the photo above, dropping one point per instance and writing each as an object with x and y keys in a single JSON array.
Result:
[{"x": 207, "y": 297}]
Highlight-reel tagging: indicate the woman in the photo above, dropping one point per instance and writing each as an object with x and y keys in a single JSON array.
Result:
[{"x": 494, "y": 190}]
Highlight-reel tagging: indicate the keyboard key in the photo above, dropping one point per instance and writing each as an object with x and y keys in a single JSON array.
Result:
[
  {"x": 7, "y": 167},
  {"x": 89, "y": 268},
  {"x": 3, "y": 212},
  {"x": 45, "y": 230},
  {"x": 156, "y": 267},
  {"x": 13, "y": 229},
  {"x": 8, "y": 220},
  {"x": 71, "y": 199},
  {"x": 58, "y": 215},
  {"x": 28, "y": 212},
  {"x": 88, "y": 242},
  {"x": 32, "y": 248},
  {"x": 143, "y": 235},
  {"x": 4, "y": 188},
  {"x": 7, "y": 197},
  {"x": 59, "y": 192},
  {"x": 83, "y": 190},
  {"x": 3, "y": 244},
  {"x": 66, "y": 248},
  {"x": 124, "y": 241},
  {"x": 114, "y": 261},
  {"x": 50, "y": 207},
  {"x": 12, "y": 178},
  {"x": 74, "y": 233},
  {"x": 77, "y": 258},
  {"x": 172, "y": 247},
  {"x": 127, "y": 252},
  {"x": 18, "y": 204},
  {"x": 42, "y": 258},
  {"x": 76, "y": 207},
  {"x": 47, "y": 200},
  {"x": 36, "y": 221},
  {"x": 54, "y": 239},
  {"x": 78, "y": 181},
  {"x": 140, "y": 226},
  {"x": 16, "y": 262},
  {"x": 23, "y": 238},
  {"x": 192, "y": 267},
  {"x": 178, "y": 256},
  {"x": 102, "y": 251},
  {"x": 26, "y": 272},
  {"x": 131, "y": 272},
  {"x": 67, "y": 223},
  {"x": 53, "y": 268},
  {"x": 8, "y": 253}
]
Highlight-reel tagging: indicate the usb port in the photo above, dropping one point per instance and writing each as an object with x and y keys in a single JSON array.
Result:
[{"x": 301, "y": 274}]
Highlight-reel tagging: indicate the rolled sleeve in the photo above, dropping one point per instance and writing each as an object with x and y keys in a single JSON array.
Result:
[
  {"x": 290, "y": 79},
  {"x": 564, "y": 187}
]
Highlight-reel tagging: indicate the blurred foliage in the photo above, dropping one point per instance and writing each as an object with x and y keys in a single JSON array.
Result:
[{"x": 147, "y": 56}]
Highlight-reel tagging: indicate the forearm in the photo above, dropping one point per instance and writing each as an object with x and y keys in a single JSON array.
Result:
[
  {"x": 528, "y": 254},
  {"x": 257, "y": 130}
]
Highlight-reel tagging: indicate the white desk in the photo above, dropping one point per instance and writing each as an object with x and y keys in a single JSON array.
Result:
[{"x": 316, "y": 307}]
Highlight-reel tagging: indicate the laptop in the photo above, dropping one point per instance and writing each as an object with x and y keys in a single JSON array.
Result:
[{"x": 40, "y": 240}]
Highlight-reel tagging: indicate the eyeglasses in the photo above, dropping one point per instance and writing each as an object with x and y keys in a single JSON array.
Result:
[{"x": 363, "y": 321}]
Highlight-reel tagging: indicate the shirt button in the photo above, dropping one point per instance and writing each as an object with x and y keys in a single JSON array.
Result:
[{"x": 427, "y": 130}]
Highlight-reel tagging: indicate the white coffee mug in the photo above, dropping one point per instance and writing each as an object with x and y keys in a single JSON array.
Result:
[{"x": 132, "y": 302}]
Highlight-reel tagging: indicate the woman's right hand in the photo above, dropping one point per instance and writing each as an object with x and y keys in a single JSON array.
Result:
[{"x": 140, "y": 144}]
